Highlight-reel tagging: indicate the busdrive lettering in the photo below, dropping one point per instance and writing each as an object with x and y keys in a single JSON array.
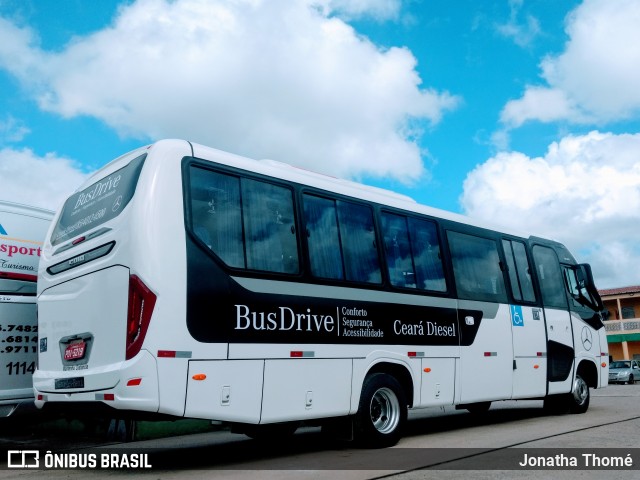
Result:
[
  {"x": 283, "y": 319},
  {"x": 98, "y": 190}
]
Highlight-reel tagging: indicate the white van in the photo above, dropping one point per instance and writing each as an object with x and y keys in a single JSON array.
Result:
[{"x": 22, "y": 230}]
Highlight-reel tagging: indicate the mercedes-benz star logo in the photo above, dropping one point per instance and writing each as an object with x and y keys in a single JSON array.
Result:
[
  {"x": 117, "y": 203},
  {"x": 587, "y": 339}
]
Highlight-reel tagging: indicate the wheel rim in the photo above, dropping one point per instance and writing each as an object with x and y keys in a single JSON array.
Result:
[
  {"x": 580, "y": 391},
  {"x": 384, "y": 410}
]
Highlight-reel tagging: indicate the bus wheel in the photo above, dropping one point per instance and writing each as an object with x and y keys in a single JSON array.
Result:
[
  {"x": 579, "y": 397},
  {"x": 382, "y": 412}
]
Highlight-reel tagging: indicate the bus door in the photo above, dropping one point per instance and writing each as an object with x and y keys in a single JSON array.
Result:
[
  {"x": 560, "y": 344},
  {"x": 590, "y": 335},
  {"x": 486, "y": 355},
  {"x": 527, "y": 325}
]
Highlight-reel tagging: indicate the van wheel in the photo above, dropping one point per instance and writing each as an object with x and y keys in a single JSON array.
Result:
[
  {"x": 382, "y": 412},
  {"x": 579, "y": 397}
]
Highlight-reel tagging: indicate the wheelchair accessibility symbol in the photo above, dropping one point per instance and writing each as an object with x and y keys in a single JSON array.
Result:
[{"x": 517, "y": 320}]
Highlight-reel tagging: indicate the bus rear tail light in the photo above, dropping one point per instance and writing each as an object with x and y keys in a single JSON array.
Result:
[{"x": 141, "y": 303}]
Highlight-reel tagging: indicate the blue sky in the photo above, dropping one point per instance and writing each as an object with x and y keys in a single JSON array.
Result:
[{"x": 521, "y": 112}]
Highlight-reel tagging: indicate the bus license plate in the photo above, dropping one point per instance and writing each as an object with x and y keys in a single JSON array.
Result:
[{"x": 75, "y": 351}]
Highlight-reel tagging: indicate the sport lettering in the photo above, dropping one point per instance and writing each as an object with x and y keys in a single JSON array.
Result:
[{"x": 12, "y": 250}]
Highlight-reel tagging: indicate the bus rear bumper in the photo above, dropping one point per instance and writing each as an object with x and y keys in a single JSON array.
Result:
[{"x": 135, "y": 389}]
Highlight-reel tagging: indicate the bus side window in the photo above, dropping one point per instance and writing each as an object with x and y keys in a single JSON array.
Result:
[
  {"x": 341, "y": 240},
  {"x": 216, "y": 214},
  {"x": 269, "y": 227},
  {"x": 323, "y": 239},
  {"x": 519, "y": 273},
  {"x": 398, "y": 250},
  {"x": 413, "y": 253},
  {"x": 476, "y": 268},
  {"x": 426, "y": 255},
  {"x": 550, "y": 277},
  {"x": 358, "y": 240}
]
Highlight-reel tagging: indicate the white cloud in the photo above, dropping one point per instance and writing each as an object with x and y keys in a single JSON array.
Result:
[
  {"x": 380, "y": 10},
  {"x": 523, "y": 32},
  {"x": 584, "y": 192},
  {"x": 12, "y": 130},
  {"x": 595, "y": 79},
  {"x": 276, "y": 79},
  {"x": 34, "y": 180}
]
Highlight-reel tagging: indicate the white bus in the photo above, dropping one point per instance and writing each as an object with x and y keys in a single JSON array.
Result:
[
  {"x": 181, "y": 280},
  {"x": 22, "y": 231}
]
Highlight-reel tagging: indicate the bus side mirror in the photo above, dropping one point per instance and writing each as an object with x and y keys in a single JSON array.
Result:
[{"x": 587, "y": 286}]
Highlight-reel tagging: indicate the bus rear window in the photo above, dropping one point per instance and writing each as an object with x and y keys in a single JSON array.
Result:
[{"x": 98, "y": 203}]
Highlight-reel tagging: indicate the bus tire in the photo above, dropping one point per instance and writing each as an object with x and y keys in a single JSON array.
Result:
[
  {"x": 382, "y": 412},
  {"x": 580, "y": 396}
]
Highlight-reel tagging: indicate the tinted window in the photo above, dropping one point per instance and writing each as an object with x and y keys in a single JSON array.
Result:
[
  {"x": 216, "y": 214},
  {"x": 550, "y": 276},
  {"x": 412, "y": 252},
  {"x": 398, "y": 250},
  {"x": 476, "y": 268},
  {"x": 99, "y": 203},
  {"x": 341, "y": 240},
  {"x": 519, "y": 273},
  {"x": 247, "y": 223},
  {"x": 426, "y": 255},
  {"x": 269, "y": 227}
]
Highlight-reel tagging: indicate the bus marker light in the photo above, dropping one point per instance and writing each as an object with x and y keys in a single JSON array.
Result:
[
  {"x": 301, "y": 354},
  {"x": 106, "y": 396},
  {"x": 134, "y": 382},
  {"x": 427, "y": 370},
  {"x": 604, "y": 364},
  {"x": 199, "y": 376},
  {"x": 490, "y": 354},
  {"x": 173, "y": 354},
  {"x": 415, "y": 354},
  {"x": 536, "y": 366}
]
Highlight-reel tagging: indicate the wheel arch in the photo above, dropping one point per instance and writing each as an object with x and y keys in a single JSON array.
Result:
[
  {"x": 589, "y": 372},
  {"x": 400, "y": 372}
]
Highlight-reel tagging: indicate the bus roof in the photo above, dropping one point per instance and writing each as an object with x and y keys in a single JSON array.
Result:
[
  {"x": 341, "y": 186},
  {"x": 19, "y": 208}
]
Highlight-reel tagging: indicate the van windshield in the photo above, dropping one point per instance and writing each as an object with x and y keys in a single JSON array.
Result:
[{"x": 98, "y": 203}]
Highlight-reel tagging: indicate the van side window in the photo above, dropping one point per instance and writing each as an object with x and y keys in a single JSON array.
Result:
[{"x": 476, "y": 268}]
